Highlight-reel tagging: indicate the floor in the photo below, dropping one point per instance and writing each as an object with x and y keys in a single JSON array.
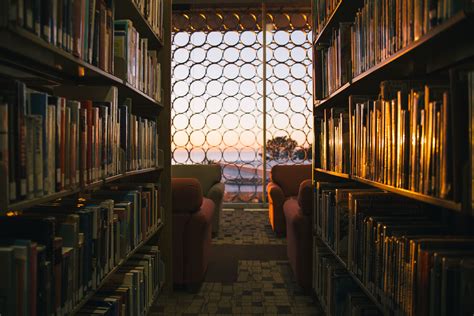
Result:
[{"x": 262, "y": 283}]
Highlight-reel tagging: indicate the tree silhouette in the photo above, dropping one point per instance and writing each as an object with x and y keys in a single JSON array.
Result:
[
  {"x": 305, "y": 153},
  {"x": 280, "y": 147}
]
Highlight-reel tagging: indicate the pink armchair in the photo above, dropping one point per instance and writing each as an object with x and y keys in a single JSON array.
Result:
[
  {"x": 192, "y": 227},
  {"x": 285, "y": 183},
  {"x": 299, "y": 237}
]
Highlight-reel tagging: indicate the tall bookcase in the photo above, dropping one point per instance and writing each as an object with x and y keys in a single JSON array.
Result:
[
  {"x": 45, "y": 67},
  {"x": 442, "y": 51}
]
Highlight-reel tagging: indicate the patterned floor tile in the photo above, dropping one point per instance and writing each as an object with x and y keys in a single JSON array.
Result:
[
  {"x": 263, "y": 287},
  {"x": 246, "y": 228}
]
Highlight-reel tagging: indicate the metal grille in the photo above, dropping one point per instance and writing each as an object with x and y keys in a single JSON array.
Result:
[{"x": 217, "y": 96}]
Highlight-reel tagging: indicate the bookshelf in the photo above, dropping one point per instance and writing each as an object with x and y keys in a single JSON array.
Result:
[
  {"x": 379, "y": 305},
  {"x": 32, "y": 55},
  {"x": 440, "y": 55},
  {"x": 411, "y": 61},
  {"x": 89, "y": 295},
  {"x": 344, "y": 11},
  {"x": 43, "y": 66}
]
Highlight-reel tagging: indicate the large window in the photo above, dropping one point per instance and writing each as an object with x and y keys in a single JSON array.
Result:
[{"x": 217, "y": 106}]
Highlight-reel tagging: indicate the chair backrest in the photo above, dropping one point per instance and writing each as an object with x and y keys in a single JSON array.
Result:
[
  {"x": 207, "y": 175},
  {"x": 289, "y": 177},
  {"x": 186, "y": 195}
]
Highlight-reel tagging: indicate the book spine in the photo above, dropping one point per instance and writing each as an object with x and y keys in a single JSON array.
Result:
[
  {"x": 38, "y": 155},
  {"x": 4, "y": 156},
  {"x": 51, "y": 145},
  {"x": 30, "y": 157}
]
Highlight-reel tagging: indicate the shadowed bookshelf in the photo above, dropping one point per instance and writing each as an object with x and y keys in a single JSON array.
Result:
[
  {"x": 84, "y": 111},
  {"x": 392, "y": 105}
]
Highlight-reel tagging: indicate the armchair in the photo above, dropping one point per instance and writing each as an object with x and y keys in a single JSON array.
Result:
[
  {"x": 192, "y": 224},
  {"x": 209, "y": 176},
  {"x": 299, "y": 237},
  {"x": 284, "y": 184}
]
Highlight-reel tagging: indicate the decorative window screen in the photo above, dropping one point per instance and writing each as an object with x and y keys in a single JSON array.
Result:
[{"x": 217, "y": 97}]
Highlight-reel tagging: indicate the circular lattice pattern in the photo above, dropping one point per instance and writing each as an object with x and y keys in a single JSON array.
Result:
[{"x": 217, "y": 107}]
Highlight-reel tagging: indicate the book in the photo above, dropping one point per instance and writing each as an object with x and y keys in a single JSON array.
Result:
[{"x": 133, "y": 62}]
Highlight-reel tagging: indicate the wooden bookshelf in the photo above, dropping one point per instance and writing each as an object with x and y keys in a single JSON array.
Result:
[
  {"x": 434, "y": 56},
  {"x": 413, "y": 60},
  {"x": 385, "y": 310},
  {"x": 41, "y": 65},
  {"x": 432, "y": 200},
  {"x": 91, "y": 293},
  {"x": 343, "y": 12},
  {"x": 26, "y": 51},
  {"x": 127, "y": 9}
]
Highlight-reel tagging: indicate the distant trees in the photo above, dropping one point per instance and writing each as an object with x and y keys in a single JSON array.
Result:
[
  {"x": 305, "y": 153},
  {"x": 284, "y": 148},
  {"x": 280, "y": 147}
]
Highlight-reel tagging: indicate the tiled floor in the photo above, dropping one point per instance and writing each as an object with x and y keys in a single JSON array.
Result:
[
  {"x": 262, "y": 287},
  {"x": 240, "y": 227}
]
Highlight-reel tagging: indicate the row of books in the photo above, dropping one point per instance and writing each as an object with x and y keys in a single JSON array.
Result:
[
  {"x": 81, "y": 27},
  {"x": 381, "y": 28},
  {"x": 336, "y": 289},
  {"x": 134, "y": 63},
  {"x": 53, "y": 254},
  {"x": 333, "y": 140},
  {"x": 50, "y": 143},
  {"x": 408, "y": 256},
  {"x": 131, "y": 290},
  {"x": 322, "y": 10},
  {"x": 335, "y": 57},
  {"x": 86, "y": 28},
  {"x": 399, "y": 138},
  {"x": 152, "y": 11}
]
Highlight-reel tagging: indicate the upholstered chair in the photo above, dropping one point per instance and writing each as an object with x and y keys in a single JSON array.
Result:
[
  {"x": 299, "y": 238},
  {"x": 209, "y": 176},
  {"x": 285, "y": 183},
  {"x": 192, "y": 226}
]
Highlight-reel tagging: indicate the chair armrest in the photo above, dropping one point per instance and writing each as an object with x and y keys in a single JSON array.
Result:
[
  {"x": 204, "y": 215},
  {"x": 305, "y": 197},
  {"x": 276, "y": 198},
  {"x": 216, "y": 193},
  {"x": 275, "y": 193}
]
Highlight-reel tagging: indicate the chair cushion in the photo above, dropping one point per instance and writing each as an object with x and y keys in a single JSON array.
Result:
[
  {"x": 289, "y": 177},
  {"x": 305, "y": 196},
  {"x": 207, "y": 175},
  {"x": 186, "y": 195}
]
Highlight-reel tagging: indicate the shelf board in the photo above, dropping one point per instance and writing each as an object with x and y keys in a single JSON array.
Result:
[
  {"x": 97, "y": 184},
  {"x": 127, "y": 9},
  {"x": 333, "y": 173},
  {"x": 34, "y": 56},
  {"x": 369, "y": 294},
  {"x": 439, "y": 202},
  {"x": 39, "y": 200},
  {"x": 89, "y": 295},
  {"x": 404, "y": 63},
  {"x": 413, "y": 195},
  {"x": 344, "y": 12},
  {"x": 335, "y": 94}
]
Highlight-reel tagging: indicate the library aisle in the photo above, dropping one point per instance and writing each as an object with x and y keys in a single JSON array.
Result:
[{"x": 248, "y": 274}]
